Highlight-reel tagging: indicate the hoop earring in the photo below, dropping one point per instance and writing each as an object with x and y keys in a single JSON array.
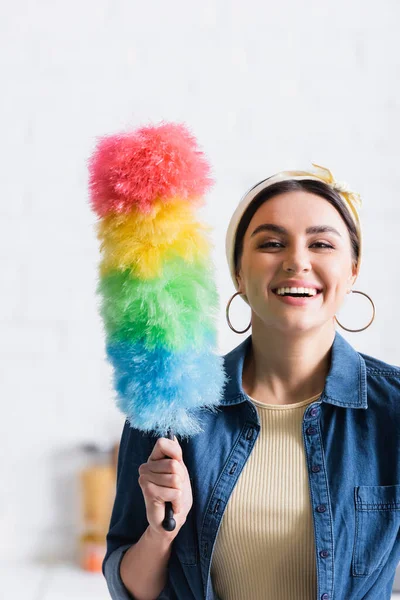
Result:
[
  {"x": 373, "y": 315},
  {"x": 227, "y": 315}
]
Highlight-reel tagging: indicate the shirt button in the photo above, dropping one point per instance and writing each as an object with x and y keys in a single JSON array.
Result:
[
  {"x": 321, "y": 508},
  {"x": 314, "y": 412},
  {"x": 249, "y": 435},
  {"x": 310, "y": 430},
  {"x": 325, "y": 597},
  {"x": 315, "y": 468},
  {"x": 324, "y": 553}
]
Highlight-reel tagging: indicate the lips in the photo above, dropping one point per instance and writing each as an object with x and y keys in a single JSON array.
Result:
[
  {"x": 298, "y": 301},
  {"x": 275, "y": 289}
]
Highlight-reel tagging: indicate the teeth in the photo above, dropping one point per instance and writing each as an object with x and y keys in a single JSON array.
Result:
[{"x": 297, "y": 290}]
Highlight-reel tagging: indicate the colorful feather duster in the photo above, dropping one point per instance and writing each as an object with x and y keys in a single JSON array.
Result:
[{"x": 159, "y": 301}]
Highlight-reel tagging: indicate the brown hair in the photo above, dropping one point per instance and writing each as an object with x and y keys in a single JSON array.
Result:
[{"x": 308, "y": 185}]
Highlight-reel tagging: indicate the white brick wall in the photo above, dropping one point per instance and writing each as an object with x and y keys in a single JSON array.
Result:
[{"x": 264, "y": 86}]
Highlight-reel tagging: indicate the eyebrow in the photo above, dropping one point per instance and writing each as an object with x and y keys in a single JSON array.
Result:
[{"x": 309, "y": 230}]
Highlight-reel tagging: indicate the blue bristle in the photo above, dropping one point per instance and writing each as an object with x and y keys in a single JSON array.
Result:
[{"x": 159, "y": 389}]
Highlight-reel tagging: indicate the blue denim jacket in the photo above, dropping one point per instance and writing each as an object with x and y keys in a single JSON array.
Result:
[{"x": 351, "y": 440}]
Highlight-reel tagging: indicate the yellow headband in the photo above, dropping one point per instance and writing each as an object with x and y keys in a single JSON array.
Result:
[{"x": 352, "y": 201}]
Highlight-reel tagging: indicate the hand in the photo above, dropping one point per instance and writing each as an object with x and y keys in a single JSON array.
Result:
[{"x": 166, "y": 480}]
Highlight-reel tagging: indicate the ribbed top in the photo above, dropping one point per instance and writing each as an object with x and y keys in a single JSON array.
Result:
[{"x": 265, "y": 543}]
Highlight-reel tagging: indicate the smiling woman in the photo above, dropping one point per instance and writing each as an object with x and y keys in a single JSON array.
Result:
[
  {"x": 294, "y": 251},
  {"x": 296, "y": 478}
]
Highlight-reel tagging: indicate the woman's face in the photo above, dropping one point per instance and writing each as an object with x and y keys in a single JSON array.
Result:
[{"x": 321, "y": 259}]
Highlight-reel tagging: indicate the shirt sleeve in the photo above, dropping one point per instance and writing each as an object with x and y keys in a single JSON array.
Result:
[
  {"x": 116, "y": 586},
  {"x": 128, "y": 518}
]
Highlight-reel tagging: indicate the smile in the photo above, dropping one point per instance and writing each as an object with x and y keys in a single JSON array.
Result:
[{"x": 296, "y": 299}]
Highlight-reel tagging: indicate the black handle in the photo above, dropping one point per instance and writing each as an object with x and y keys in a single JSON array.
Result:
[{"x": 169, "y": 522}]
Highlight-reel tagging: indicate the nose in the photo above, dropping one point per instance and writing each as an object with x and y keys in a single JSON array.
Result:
[{"x": 296, "y": 260}]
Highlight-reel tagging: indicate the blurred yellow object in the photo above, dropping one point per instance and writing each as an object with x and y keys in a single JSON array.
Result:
[{"x": 97, "y": 496}]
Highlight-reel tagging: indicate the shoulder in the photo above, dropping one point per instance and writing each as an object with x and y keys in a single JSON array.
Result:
[
  {"x": 383, "y": 382},
  {"x": 378, "y": 367}
]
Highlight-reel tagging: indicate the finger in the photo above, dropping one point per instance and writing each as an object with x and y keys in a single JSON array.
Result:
[
  {"x": 164, "y": 465},
  {"x": 165, "y": 447},
  {"x": 164, "y": 494},
  {"x": 171, "y": 480}
]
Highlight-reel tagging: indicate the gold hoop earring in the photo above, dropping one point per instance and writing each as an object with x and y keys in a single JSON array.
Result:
[
  {"x": 227, "y": 315},
  {"x": 373, "y": 315}
]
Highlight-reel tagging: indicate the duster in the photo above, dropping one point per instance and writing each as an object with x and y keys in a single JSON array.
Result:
[{"x": 158, "y": 296}]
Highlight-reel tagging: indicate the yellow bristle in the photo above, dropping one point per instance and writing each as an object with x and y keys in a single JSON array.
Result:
[{"x": 141, "y": 242}]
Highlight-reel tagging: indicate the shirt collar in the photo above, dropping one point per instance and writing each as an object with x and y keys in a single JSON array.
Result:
[{"x": 345, "y": 384}]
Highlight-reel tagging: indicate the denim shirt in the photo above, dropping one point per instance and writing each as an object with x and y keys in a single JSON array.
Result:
[{"x": 351, "y": 438}]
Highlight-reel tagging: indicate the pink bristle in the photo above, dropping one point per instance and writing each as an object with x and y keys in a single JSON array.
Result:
[{"x": 153, "y": 162}]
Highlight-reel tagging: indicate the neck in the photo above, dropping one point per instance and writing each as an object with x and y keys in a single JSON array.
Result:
[{"x": 283, "y": 368}]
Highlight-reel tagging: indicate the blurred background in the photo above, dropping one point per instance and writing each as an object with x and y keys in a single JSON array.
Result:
[{"x": 264, "y": 86}]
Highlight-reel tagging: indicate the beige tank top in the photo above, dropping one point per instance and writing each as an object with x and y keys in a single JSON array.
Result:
[{"x": 265, "y": 548}]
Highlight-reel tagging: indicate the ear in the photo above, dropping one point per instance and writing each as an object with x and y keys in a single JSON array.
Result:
[
  {"x": 240, "y": 283},
  {"x": 353, "y": 276}
]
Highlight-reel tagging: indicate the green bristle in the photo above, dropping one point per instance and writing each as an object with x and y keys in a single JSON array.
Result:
[{"x": 171, "y": 311}]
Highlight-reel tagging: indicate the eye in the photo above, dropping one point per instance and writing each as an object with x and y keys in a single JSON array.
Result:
[
  {"x": 273, "y": 245},
  {"x": 322, "y": 244},
  {"x": 269, "y": 244}
]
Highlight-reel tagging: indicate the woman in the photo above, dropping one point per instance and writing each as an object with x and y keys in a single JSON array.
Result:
[{"x": 293, "y": 489}]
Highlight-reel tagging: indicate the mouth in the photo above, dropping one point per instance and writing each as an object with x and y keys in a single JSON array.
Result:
[
  {"x": 274, "y": 291},
  {"x": 296, "y": 300}
]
